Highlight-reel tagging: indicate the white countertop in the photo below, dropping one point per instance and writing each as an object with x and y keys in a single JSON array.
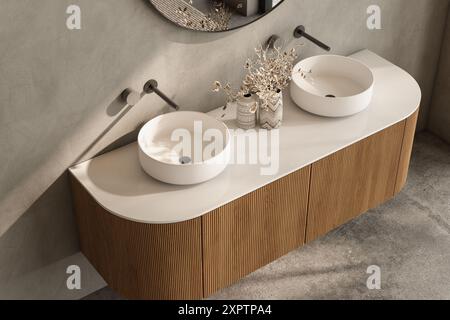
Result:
[{"x": 117, "y": 182}]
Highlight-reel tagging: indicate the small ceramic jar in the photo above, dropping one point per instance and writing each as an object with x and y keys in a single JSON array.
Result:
[{"x": 247, "y": 108}]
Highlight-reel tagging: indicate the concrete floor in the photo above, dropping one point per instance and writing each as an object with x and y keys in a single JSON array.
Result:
[{"x": 408, "y": 238}]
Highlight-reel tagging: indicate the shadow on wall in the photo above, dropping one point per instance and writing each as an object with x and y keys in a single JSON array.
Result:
[
  {"x": 41, "y": 237},
  {"x": 425, "y": 78},
  {"x": 439, "y": 120},
  {"x": 117, "y": 109}
]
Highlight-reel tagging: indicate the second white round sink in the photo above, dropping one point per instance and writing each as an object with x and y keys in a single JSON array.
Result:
[
  {"x": 332, "y": 86},
  {"x": 184, "y": 148}
]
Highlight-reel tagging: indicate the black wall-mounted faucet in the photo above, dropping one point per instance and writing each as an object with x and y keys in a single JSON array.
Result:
[
  {"x": 152, "y": 87},
  {"x": 300, "y": 32},
  {"x": 132, "y": 97}
]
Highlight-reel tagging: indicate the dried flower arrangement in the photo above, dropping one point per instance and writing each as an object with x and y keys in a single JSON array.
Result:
[
  {"x": 232, "y": 95},
  {"x": 270, "y": 73},
  {"x": 267, "y": 75}
]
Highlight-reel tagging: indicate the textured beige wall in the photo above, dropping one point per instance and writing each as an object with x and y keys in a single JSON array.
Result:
[
  {"x": 58, "y": 91},
  {"x": 439, "y": 121}
]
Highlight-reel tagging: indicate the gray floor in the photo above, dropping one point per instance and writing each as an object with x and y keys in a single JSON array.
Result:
[{"x": 408, "y": 238}]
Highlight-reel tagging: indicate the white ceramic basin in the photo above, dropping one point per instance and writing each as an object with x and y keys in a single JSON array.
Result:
[
  {"x": 184, "y": 148},
  {"x": 332, "y": 86}
]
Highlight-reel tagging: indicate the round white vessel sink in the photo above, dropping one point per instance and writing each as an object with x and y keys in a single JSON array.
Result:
[
  {"x": 332, "y": 86},
  {"x": 184, "y": 148}
]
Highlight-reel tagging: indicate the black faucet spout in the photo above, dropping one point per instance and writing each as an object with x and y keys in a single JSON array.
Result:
[
  {"x": 300, "y": 32},
  {"x": 152, "y": 87}
]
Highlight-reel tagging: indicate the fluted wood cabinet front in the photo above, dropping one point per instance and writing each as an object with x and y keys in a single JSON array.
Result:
[
  {"x": 138, "y": 260},
  {"x": 254, "y": 230},
  {"x": 354, "y": 180}
]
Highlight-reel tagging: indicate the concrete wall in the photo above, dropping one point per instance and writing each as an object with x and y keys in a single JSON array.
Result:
[
  {"x": 59, "y": 89},
  {"x": 439, "y": 121}
]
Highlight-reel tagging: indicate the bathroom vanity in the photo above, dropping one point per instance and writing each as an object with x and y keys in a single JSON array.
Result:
[{"x": 151, "y": 240}]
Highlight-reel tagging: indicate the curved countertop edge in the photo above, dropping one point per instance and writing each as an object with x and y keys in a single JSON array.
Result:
[{"x": 80, "y": 171}]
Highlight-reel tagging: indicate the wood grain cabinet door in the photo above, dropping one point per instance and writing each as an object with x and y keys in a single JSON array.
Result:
[
  {"x": 354, "y": 180},
  {"x": 138, "y": 260},
  {"x": 254, "y": 230}
]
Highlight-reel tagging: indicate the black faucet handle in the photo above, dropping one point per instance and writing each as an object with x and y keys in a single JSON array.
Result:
[{"x": 150, "y": 86}]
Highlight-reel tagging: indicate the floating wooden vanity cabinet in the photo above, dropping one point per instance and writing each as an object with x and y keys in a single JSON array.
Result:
[
  {"x": 150, "y": 240},
  {"x": 195, "y": 258}
]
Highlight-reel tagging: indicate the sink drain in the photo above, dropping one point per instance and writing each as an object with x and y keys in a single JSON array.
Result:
[
  {"x": 330, "y": 96},
  {"x": 185, "y": 160}
]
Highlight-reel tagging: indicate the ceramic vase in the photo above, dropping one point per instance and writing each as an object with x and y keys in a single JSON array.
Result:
[{"x": 271, "y": 112}]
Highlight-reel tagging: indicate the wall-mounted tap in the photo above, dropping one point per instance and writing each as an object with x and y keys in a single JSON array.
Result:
[
  {"x": 152, "y": 87},
  {"x": 300, "y": 32},
  {"x": 132, "y": 97}
]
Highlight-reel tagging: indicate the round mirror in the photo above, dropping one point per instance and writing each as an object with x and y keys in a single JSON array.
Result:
[{"x": 214, "y": 15}]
